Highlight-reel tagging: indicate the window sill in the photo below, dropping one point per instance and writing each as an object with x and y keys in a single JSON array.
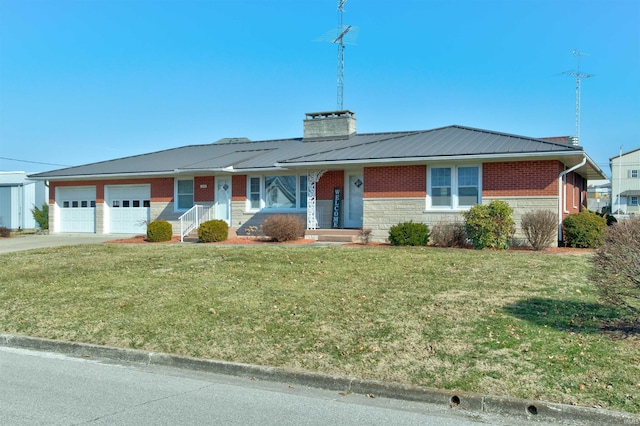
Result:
[
  {"x": 266, "y": 210},
  {"x": 447, "y": 210}
]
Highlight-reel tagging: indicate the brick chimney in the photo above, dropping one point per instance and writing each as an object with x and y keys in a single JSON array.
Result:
[{"x": 329, "y": 124}]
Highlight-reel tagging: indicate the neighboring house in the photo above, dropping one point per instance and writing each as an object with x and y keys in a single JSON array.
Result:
[
  {"x": 599, "y": 196},
  {"x": 625, "y": 182},
  {"x": 382, "y": 179},
  {"x": 18, "y": 195}
]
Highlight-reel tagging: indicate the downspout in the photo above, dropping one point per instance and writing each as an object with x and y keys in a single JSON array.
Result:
[{"x": 562, "y": 200}]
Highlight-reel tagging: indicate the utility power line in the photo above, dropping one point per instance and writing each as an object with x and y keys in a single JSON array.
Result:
[{"x": 34, "y": 162}]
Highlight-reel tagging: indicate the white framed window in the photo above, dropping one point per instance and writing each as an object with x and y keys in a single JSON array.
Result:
[
  {"x": 633, "y": 201},
  {"x": 633, "y": 174},
  {"x": 184, "y": 194},
  {"x": 277, "y": 192},
  {"x": 303, "y": 191},
  {"x": 468, "y": 186},
  {"x": 440, "y": 179},
  {"x": 453, "y": 187},
  {"x": 254, "y": 193}
]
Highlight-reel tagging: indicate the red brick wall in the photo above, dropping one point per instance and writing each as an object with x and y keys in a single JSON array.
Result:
[
  {"x": 575, "y": 193},
  {"x": 331, "y": 179},
  {"x": 201, "y": 195},
  {"x": 238, "y": 188},
  {"x": 521, "y": 178},
  {"x": 161, "y": 188},
  {"x": 395, "y": 181}
]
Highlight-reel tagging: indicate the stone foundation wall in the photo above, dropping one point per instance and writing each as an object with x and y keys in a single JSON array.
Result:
[
  {"x": 521, "y": 205},
  {"x": 380, "y": 214}
]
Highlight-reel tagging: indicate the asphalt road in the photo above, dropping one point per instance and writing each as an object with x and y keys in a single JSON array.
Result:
[{"x": 44, "y": 388}]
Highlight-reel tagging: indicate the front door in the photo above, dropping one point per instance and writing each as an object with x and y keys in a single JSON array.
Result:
[
  {"x": 223, "y": 199},
  {"x": 354, "y": 185}
]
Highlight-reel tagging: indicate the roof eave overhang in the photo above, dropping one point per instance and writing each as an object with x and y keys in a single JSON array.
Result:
[
  {"x": 593, "y": 172},
  {"x": 440, "y": 158},
  {"x": 229, "y": 169},
  {"x": 102, "y": 176},
  {"x": 590, "y": 169}
]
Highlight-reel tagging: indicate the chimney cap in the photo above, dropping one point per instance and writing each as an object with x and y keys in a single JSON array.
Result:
[{"x": 329, "y": 114}]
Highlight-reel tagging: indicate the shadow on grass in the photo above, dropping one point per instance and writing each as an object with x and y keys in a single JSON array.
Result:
[{"x": 579, "y": 317}]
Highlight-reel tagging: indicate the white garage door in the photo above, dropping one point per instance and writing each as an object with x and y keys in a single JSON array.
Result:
[
  {"x": 128, "y": 208},
  {"x": 77, "y": 208}
]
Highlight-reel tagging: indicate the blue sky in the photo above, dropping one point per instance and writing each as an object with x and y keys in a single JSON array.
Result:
[{"x": 92, "y": 80}]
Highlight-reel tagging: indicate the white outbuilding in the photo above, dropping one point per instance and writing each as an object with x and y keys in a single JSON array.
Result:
[{"x": 18, "y": 195}]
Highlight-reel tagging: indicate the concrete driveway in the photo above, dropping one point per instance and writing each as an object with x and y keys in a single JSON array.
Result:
[{"x": 29, "y": 242}]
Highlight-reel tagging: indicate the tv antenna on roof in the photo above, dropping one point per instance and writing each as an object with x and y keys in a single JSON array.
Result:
[
  {"x": 344, "y": 34},
  {"x": 578, "y": 75}
]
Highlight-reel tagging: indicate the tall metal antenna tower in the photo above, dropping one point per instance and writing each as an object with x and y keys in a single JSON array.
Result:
[
  {"x": 578, "y": 75},
  {"x": 344, "y": 34},
  {"x": 339, "y": 40}
]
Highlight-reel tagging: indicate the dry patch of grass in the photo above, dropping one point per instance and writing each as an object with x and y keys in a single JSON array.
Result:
[{"x": 527, "y": 325}]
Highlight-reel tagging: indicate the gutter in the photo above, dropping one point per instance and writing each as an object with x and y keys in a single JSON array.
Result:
[
  {"x": 442, "y": 158},
  {"x": 115, "y": 176},
  {"x": 229, "y": 169},
  {"x": 563, "y": 200}
]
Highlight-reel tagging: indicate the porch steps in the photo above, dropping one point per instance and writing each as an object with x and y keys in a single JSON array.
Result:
[{"x": 334, "y": 235}]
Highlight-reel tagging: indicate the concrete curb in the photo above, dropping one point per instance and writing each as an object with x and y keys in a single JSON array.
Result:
[{"x": 469, "y": 402}]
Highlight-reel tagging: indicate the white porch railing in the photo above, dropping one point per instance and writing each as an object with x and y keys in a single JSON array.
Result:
[{"x": 193, "y": 218}]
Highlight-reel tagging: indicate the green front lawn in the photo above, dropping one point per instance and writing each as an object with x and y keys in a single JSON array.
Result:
[{"x": 522, "y": 324}]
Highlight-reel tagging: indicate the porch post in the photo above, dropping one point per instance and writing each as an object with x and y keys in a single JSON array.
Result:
[{"x": 313, "y": 176}]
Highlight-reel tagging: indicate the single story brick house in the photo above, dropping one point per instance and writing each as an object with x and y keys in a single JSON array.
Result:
[{"x": 332, "y": 176}]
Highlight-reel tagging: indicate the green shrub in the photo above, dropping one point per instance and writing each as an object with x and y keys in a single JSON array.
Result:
[
  {"x": 490, "y": 225},
  {"x": 283, "y": 227},
  {"x": 41, "y": 216},
  {"x": 584, "y": 229},
  {"x": 5, "y": 232},
  {"x": 213, "y": 231},
  {"x": 159, "y": 231},
  {"x": 409, "y": 234},
  {"x": 616, "y": 265},
  {"x": 448, "y": 234},
  {"x": 540, "y": 227}
]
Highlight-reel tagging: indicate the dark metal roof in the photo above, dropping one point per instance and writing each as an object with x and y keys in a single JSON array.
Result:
[
  {"x": 444, "y": 142},
  {"x": 242, "y": 154}
]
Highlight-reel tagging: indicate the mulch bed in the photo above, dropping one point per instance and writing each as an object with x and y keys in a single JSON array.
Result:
[{"x": 141, "y": 239}]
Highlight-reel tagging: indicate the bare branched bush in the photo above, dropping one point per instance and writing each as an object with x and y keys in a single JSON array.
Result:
[
  {"x": 541, "y": 228},
  {"x": 283, "y": 227},
  {"x": 616, "y": 265},
  {"x": 448, "y": 234}
]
